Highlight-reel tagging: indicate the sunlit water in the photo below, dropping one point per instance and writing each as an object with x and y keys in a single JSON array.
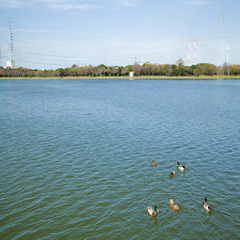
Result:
[{"x": 75, "y": 159}]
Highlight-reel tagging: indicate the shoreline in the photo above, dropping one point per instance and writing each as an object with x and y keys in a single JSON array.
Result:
[{"x": 215, "y": 77}]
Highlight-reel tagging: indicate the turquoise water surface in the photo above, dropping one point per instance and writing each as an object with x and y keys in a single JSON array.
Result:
[{"x": 75, "y": 159}]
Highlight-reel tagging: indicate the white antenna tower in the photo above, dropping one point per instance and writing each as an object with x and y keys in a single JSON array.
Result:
[
  {"x": 195, "y": 51},
  {"x": 10, "y": 61},
  {"x": 221, "y": 51}
]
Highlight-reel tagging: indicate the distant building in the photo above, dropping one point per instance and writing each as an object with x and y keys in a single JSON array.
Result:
[
  {"x": 142, "y": 63},
  {"x": 131, "y": 74},
  {"x": 10, "y": 64}
]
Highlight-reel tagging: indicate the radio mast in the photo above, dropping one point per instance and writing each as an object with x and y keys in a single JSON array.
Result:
[{"x": 195, "y": 51}]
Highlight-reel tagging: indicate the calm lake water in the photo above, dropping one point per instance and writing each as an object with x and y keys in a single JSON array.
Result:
[{"x": 75, "y": 159}]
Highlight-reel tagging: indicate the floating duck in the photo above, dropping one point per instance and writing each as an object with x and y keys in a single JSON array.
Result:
[
  {"x": 172, "y": 174},
  {"x": 180, "y": 167},
  {"x": 206, "y": 205},
  {"x": 173, "y": 205},
  {"x": 152, "y": 211},
  {"x": 153, "y": 163}
]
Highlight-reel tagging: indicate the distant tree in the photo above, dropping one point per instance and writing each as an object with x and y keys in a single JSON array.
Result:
[
  {"x": 96, "y": 71},
  {"x": 143, "y": 70},
  {"x": 60, "y": 72},
  {"x": 189, "y": 71},
  {"x": 213, "y": 69},
  {"x": 108, "y": 72},
  {"x": 102, "y": 66},
  {"x": 2, "y": 72},
  {"x": 119, "y": 71},
  {"x": 113, "y": 71},
  {"x": 175, "y": 70},
  {"x": 136, "y": 68},
  {"x": 226, "y": 69},
  {"x": 156, "y": 70},
  {"x": 83, "y": 71},
  {"x": 72, "y": 71},
  {"x": 125, "y": 71},
  {"x": 169, "y": 70},
  {"x": 74, "y": 66},
  {"x": 129, "y": 68},
  {"x": 235, "y": 70},
  {"x": 91, "y": 71},
  {"x": 161, "y": 70},
  {"x": 196, "y": 72},
  {"x": 199, "y": 68},
  {"x": 206, "y": 70},
  {"x": 180, "y": 66},
  {"x": 180, "y": 62},
  {"x": 148, "y": 69}
]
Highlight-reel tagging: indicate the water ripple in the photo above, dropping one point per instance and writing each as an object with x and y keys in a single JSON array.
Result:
[{"x": 75, "y": 159}]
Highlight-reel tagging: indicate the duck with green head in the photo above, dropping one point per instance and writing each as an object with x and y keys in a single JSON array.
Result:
[{"x": 152, "y": 211}]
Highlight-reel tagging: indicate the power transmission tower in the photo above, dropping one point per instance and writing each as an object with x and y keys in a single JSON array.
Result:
[
  {"x": 10, "y": 61},
  {"x": 221, "y": 51}
]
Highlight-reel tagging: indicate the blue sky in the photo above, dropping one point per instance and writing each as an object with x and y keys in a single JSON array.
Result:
[{"x": 59, "y": 33}]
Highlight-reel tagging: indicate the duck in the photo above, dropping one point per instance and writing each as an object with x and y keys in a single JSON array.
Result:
[
  {"x": 180, "y": 167},
  {"x": 153, "y": 163},
  {"x": 173, "y": 205},
  {"x": 172, "y": 174},
  {"x": 207, "y": 205},
  {"x": 152, "y": 211}
]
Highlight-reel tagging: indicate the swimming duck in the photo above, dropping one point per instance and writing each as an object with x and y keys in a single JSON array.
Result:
[
  {"x": 153, "y": 163},
  {"x": 172, "y": 174},
  {"x": 152, "y": 211},
  {"x": 206, "y": 205},
  {"x": 173, "y": 205},
  {"x": 180, "y": 167}
]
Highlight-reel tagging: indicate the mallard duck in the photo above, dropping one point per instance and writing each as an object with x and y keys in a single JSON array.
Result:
[
  {"x": 180, "y": 167},
  {"x": 153, "y": 163},
  {"x": 152, "y": 211},
  {"x": 172, "y": 174},
  {"x": 173, "y": 205},
  {"x": 206, "y": 205}
]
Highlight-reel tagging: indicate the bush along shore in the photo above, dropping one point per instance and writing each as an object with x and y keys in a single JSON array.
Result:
[{"x": 153, "y": 71}]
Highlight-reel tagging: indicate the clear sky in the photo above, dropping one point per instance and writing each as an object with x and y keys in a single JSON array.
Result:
[{"x": 59, "y": 33}]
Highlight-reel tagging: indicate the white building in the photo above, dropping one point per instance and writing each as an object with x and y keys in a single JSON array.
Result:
[
  {"x": 131, "y": 74},
  {"x": 10, "y": 64}
]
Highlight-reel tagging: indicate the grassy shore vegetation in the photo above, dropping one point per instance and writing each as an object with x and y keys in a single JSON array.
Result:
[{"x": 146, "y": 71}]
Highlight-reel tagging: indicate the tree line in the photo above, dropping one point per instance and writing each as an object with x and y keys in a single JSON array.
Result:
[{"x": 147, "y": 69}]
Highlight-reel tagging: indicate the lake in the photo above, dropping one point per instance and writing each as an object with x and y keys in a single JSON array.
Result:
[{"x": 75, "y": 159}]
